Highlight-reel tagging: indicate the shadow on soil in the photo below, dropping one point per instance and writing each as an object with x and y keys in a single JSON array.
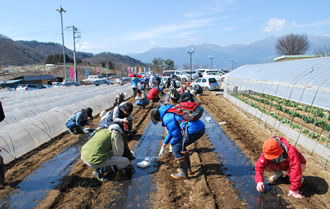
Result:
[{"x": 312, "y": 185}]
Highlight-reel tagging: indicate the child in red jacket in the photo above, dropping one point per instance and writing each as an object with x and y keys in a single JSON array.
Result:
[{"x": 280, "y": 156}]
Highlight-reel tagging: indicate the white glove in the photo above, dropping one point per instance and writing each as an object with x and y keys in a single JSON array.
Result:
[
  {"x": 260, "y": 186},
  {"x": 85, "y": 130},
  {"x": 295, "y": 194},
  {"x": 161, "y": 151}
]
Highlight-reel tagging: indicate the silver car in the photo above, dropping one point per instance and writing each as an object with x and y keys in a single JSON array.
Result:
[{"x": 207, "y": 84}]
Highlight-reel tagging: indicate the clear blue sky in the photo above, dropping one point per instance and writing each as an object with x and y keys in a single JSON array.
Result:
[{"x": 130, "y": 26}]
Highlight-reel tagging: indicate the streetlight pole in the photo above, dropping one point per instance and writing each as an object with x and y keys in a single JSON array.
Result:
[
  {"x": 61, "y": 10},
  {"x": 74, "y": 31},
  {"x": 190, "y": 52},
  {"x": 211, "y": 58}
]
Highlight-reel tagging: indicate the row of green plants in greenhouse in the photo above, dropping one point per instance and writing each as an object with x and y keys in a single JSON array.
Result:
[
  {"x": 324, "y": 115},
  {"x": 280, "y": 104}
]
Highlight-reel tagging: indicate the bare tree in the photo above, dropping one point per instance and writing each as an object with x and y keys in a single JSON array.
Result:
[
  {"x": 186, "y": 66},
  {"x": 292, "y": 44},
  {"x": 322, "y": 51}
]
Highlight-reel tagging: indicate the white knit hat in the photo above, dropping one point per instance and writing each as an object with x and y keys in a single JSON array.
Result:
[{"x": 115, "y": 127}]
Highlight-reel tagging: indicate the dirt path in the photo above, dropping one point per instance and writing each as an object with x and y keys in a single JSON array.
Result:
[
  {"x": 208, "y": 188},
  {"x": 249, "y": 136}
]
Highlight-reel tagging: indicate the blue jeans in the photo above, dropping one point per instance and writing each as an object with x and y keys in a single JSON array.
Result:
[
  {"x": 70, "y": 125},
  {"x": 142, "y": 103},
  {"x": 177, "y": 148}
]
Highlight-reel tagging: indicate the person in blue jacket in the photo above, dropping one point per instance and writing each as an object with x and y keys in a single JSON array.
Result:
[
  {"x": 180, "y": 134},
  {"x": 134, "y": 83},
  {"x": 77, "y": 120}
]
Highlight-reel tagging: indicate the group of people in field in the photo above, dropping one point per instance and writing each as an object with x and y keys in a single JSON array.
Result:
[{"x": 108, "y": 153}]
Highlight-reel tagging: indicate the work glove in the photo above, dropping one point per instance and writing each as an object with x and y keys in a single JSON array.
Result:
[
  {"x": 161, "y": 151},
  {"x": 295, "y": 194},
  {"x": 85, "y": 130},
  {"x": 260, "y": 186}
]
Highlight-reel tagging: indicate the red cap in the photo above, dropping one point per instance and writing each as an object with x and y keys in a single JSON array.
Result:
[{"x": 272, "y": 149}]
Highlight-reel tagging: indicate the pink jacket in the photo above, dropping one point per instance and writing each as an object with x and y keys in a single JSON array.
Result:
[{"x": 290, "y": 164}]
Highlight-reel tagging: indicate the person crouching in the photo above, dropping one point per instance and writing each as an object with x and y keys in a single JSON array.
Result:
[
  {"x": 104, "y": 152},
  {"x": 278, "y": 155},
  {"x": 77, "y": 120}
]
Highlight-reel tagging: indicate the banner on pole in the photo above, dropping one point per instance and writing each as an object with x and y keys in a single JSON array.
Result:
[
  {"x": 144, "y": 69},
  {"x": 86, "y": 72},
  {"x": 149, "y": 69},
  {"x": 72, "y": 73},
  {"x": 129, "y": 70},
  {"x": 97, "y": 70}
]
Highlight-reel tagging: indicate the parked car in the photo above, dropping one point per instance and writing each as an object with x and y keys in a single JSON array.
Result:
[
  {"x": 193, "y": 74},
  {"x": 102, "y": 81},
  {"x": 29, "y": 87},
  {"x": 207, "y": 83},
  {"x": 57, "y": 84},
  {"x": 125, "y": 80},
  {"x": 165, "y": 78},
  {"x": 68, "y": 84}
]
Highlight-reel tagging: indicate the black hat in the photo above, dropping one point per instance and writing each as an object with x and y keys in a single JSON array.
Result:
[
  {"x": 155, "y": 116},
  {"x": 89, "y": 112}
]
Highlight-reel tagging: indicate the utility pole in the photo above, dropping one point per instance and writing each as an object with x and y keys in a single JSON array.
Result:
[
  {"x": 74, "y": 32},
  {"x": 232, "y": 64},
  {"x": 211, "y": 58},
  {"x": 61, "y": 10},
  {"x": 190, "y": 52}
]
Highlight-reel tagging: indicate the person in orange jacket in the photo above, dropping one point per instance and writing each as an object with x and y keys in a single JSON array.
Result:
[{"x": 278, "y": 155}]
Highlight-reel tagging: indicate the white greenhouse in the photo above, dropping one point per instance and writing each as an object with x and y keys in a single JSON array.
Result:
[
  {"x": 35, "y": 117},
  {"x": 292, "y": 96}
]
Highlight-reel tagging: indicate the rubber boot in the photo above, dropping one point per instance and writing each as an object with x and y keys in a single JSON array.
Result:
[
  {"x": 187, "y": 156},
  {"x": 182, "y": 170},
  {"x": 112, "y": 172},
  {"x": 100, "y": 174},
  {"x": 2, "y": 173}
]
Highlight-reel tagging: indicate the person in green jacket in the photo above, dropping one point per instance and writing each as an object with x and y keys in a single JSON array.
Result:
[{"x": 104, "y": 152}]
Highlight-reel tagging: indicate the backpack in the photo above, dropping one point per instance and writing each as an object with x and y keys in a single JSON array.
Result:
[{"x": 189, "y": 111}]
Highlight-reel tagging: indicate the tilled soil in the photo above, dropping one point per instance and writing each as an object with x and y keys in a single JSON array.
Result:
[
  {"x": 207, "y": 188},
  {"x": 249, "y": 135}
]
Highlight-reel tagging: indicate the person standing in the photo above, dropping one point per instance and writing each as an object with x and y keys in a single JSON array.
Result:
[
  {"x": 134, "y": 83},
  {"x": 180, "y": 134},
  {"x": 278, "y": 155}
]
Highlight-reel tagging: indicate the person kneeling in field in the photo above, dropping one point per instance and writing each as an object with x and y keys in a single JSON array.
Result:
[
  {"x": 104, "y": 152},
  {"x": 77, "y": 120},
  {"x": 280, "y": 156},
  {"x": 153, "y": 95},
  {"x": 141, "y": 99}
]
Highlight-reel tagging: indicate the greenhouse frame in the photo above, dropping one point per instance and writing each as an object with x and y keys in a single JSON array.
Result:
[
  {"x": 287, "y": 95},
  {"x": 35, "y": 117}
]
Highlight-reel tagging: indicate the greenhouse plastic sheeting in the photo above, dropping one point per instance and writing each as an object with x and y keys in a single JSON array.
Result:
[
  {"x": 44, "y": 113},
  {"x": 306, "y": 81}
]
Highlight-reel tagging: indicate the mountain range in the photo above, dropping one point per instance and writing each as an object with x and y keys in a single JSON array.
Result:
[
  {"x": 225, "y": 57},
  {"x": 262, "y": 51},
  {"x": 34, "y": 52}
]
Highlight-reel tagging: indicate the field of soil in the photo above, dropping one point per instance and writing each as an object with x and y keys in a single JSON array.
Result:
[{"x": 209, "y": 187}]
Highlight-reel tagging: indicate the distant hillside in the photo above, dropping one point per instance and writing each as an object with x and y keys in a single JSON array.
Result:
[
  {"x": 262, "y": 51},
  {"x": 33, "y": 52}
]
